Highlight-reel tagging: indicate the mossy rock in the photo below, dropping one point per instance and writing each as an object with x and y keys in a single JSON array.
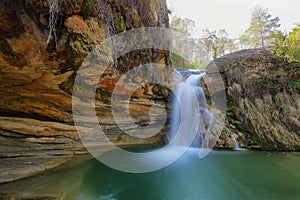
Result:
[{"x": 119, "y": 24}]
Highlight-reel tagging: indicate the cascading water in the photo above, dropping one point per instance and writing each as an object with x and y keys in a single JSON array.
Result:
[
  {"x": 236, "y": 144},
  {"x": 190, "y": 109}
]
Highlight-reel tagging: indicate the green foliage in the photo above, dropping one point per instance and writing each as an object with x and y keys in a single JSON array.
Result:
[
  {"x": 184, "y": 26},
  {"x": 294, "y": 85},
  {"x": 278, "y": 101},
  {"x": 209, "y": 41},
  {"x": 194, "y": 65},
  {"x": 186, "y": 45},
  {"x": 218, "y": 43},
  {"x": 91, "y": 2},
  {"x": 262, "y": 25},
  {"x": 289, "y": 49},
  {"x": 277, "y": 37},
  {"x": 271, "y": 85},
  {"x": 200, "y": 51},
  {"x": 179, "y": 62}
]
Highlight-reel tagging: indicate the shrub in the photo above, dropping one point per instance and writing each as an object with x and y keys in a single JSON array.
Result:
[{"x": 290, "y": 47}]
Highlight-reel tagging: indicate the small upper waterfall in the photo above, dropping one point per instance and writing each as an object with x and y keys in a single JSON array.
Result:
[
  {"x": 236, "y": 144},
  {"x": 190, "y": 108}
]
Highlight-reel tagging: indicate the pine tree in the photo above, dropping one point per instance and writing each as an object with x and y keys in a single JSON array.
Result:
[{"x": 262, "y": 25}]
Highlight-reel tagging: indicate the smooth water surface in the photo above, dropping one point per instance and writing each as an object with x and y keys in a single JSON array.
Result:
[{"x": 220, "y": 175}]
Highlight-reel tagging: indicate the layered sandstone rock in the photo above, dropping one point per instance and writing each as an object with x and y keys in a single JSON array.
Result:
[{"x": 36, "y": 122}]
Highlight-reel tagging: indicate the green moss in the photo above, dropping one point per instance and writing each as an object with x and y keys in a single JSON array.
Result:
[
  {"x": 290, "y": 65},
  {"x": 271, "y": 85},
  {"x": 91, "y": 2},
  {"x": 101, "y": 24},
  {"x": 77, "y": 44},
  {"x": 119, "y": 24},
  {"x": 279, "y": 103},
  {"x": 294, "y": 85}
]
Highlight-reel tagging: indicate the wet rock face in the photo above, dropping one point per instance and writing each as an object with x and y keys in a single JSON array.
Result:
[
  {"x": 263, "y": 102},
  {"x": 37, "y": 77}
]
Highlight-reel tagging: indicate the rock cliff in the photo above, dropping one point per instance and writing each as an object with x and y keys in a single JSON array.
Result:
[
  {"x": 43, "y": 43},
  {"x": 263, "y": 101}
]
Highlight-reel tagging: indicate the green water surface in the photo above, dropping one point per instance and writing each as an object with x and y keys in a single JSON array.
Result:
[{"x": 221, "y": 175}]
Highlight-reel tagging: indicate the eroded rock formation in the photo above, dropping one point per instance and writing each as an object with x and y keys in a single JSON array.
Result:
[{"x": 37, "y": 76}]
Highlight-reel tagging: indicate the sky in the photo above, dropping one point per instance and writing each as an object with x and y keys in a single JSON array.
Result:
[{"x": 233, "y": 15}]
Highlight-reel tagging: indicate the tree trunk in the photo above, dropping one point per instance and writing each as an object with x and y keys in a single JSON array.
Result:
[{"x": 262, "y": 40}]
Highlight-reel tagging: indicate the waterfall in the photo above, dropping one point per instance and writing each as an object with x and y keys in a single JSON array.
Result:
[
  {"x": 236, "y": 144},
  {"x": 190, "y": 108}
]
